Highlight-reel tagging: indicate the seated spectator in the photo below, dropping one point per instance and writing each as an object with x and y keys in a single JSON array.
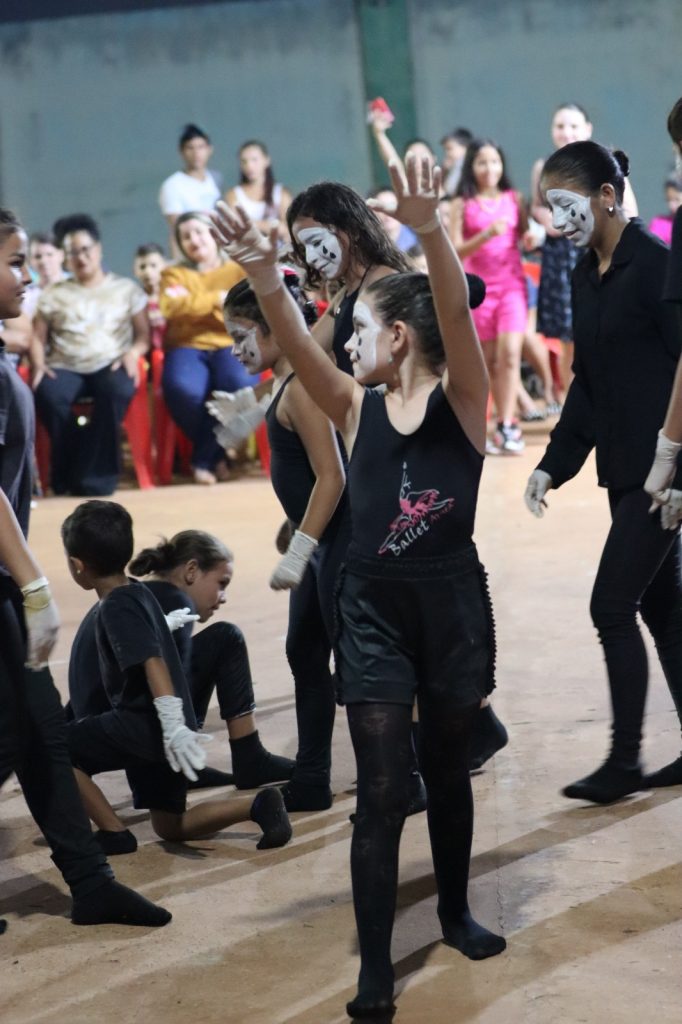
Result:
[
  {"x": 199, "y": 358},
  {"x": 263, "y": 199},
  {"x": 196, "y": 186},
  {"x": 148, "y": 265},
  {"x": 663, "y": 225},
  {"x": 89, "y": 333},
  {"x": 455, "y": 145}
]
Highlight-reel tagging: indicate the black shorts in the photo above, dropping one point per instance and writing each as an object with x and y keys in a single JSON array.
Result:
[
  {"x": 101, "y": 744},
  {"x": 415, "y": 628}
]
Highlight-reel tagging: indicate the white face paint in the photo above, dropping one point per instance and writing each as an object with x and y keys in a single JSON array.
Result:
[
  {"x": 322, "y": 250},
  {"x": 362, "y": 344},
  {"x": 245, "y": 347},
  {"x": 571, "y": 215}
]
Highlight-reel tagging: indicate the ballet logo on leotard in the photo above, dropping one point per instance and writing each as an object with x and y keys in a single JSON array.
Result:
[{"x": 419, "y": 510}]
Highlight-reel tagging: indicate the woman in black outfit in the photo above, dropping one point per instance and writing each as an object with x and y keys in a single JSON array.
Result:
[{"x": 627, "y": 346}]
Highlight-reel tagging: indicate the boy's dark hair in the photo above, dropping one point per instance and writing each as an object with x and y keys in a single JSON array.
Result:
[
  {"x": 72, "y": 223},
  {"x": 461, "y": 135},
  {"x": 337, "y": 206},
  {"x": 206, "y": 549},
  {"x": 241, "y": 301},
  {"x": 148, "y": 249},
  {"x": 467, "y": 187},
  {"x": 189, "y": 132},
  {"x": 9, "y": 224},
  {"x": 100, "y": 533},
  {"x": 590, "y": 166},
  {"x": 43, "y": 238}
]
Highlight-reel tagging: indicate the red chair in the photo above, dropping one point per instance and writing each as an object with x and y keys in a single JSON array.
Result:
[{"x": 136, "y": 423}]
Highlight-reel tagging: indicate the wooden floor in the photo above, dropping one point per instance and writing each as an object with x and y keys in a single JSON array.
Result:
[{"x": 590, "y": 899}]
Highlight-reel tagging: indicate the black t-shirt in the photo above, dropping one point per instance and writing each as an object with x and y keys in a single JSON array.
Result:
[
  {"x": 412, "y": 495},
  {"x": 87, "y": 695},
  {"x": 17, "y": 431},
  {"x": 130, "y": 628}
]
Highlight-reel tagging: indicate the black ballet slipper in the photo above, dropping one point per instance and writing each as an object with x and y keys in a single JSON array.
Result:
[
  {"x": 472, "y": 939},
  {"x": 379, "y": 1010},
  {"x": 610, "y": 782},
  {"x": 489, "y": 736},
  {"x": 669, "y": 775},
  {"x": 302, "y": 796},
  {"x": 115, "y": 843},
  {"x": 268, "y": 811},
  {"x": 113, "y": 903},
  {"x": 211, "y": 778}
]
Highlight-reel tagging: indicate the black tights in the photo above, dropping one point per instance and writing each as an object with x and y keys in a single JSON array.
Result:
[{"x": 381, "y": 735}]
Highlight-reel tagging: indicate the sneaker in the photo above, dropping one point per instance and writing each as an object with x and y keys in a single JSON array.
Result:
[
  {"x": 554, "y": 408},
  {"x": 491, "y": 448},
  {"x": 509, "y": 439}
]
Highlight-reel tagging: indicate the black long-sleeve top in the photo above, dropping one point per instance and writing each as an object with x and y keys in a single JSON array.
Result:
[{"x": 627, "y": 345}]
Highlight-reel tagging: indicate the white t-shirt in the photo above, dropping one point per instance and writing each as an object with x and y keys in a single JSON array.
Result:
[
  {"x": 182, "y": 194},
  {"x": 89, "y": 328}
]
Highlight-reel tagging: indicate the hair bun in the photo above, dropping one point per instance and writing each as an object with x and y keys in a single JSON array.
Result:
[{"x": 623, "y": 161}]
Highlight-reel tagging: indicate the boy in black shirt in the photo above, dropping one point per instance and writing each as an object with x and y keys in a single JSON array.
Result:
[{"x": 150, "y": 728}]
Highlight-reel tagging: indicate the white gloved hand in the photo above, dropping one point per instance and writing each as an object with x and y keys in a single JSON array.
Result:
[
  {"x": 539, "y": 483},
  {"x": 238, "y": 412},
  {"x": 234, "y": 232},
  {"x": 671, "y": 512},
  {"x": 662, "y": 471},
  {"x": 183, "y": 748},
  {"x": 289, "y": 571},
  {"x": 179, "y": 617},
  {"x": 42, "y": 621}
]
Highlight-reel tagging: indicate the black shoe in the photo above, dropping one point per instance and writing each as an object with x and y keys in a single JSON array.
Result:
[
  {"x": 669, "y": 775},
  {"x": 381, "y": 1010},
  {"x": 255, "y": 766},
  {"x": 609, "y": 783},
  {"x": 209, "y": 778},
  {"x": 489, "y": 736},
  {"x": 417, "y": 795},
  {"x": 305, "y": 796}
]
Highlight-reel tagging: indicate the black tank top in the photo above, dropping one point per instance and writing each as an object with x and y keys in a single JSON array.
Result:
[
  {"x": 343, "y": 329},
  {"x": 291, "y": 474},
  {"x": 414, "y": 495}
]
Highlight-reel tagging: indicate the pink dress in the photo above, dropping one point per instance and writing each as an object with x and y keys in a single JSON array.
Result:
[
  {"x": 663, "y": 228},
  {"x": 498, "y": 262}
]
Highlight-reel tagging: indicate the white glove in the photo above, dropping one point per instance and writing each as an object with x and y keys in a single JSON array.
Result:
[
  {"x": 179, "y": 617},
  {"x": 539, "y": 483},
  {"x": 289, "y": 571},
  {"x": 246, "y": 245},
  {"x": 671, "y": 512},
  {"x": 238, "y": 412},
  {"x": 662, "y": 471},
  {"x": 183, "y": 748},
  {"x": 42, "y": 621}
]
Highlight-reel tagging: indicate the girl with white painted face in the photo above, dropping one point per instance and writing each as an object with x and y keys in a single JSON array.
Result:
[
  {"x": 413, "y": 611},
  {"x": 627, "y": 344},
  {"x": 308, "y": 477},
  {"x": 337, "y": 237}
]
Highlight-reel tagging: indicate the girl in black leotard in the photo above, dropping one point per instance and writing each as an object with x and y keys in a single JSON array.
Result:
[
  {"x": 414, "y": 613},
  {"x": 308, "y": 477}
]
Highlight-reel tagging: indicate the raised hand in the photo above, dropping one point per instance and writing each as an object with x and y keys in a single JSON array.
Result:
[
  {"x": 246, "y": 245},
  {"x": 417, "y": 187}
]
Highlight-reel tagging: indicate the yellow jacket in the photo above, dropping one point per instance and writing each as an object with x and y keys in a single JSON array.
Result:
[{"x": 192, "y": 303}]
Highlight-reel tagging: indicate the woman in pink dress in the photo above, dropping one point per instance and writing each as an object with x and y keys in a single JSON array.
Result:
[{"x": 488, "y": 221}]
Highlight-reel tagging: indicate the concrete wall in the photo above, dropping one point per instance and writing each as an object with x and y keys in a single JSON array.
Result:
[{"x": 92, "y": 106}]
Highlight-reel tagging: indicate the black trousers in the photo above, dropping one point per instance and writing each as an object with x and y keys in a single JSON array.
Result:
[
  {"x": 85, "y": 460},
  {"x": 220, "y": 662},
  {"x": 33, "y": 743},
  {"x": 310, "y": 635},
  {"x": 639, "y": 571}
]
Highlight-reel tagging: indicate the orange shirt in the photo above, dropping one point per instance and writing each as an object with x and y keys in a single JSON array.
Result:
[{"x": 192, "y": 303}]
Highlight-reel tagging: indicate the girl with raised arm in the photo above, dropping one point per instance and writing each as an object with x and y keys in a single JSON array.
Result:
[{"x": 414, "y": 613}]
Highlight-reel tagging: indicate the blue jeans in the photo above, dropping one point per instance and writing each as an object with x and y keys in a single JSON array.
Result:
[{"x": 189, "y": 377}]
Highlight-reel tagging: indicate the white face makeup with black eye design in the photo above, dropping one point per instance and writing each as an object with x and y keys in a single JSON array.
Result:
[
  {"x": 362, "y": 344},
  {"x": 571, "y": 215},
  {"x": 245, "y": 347},
  {"x": 322, "y": 251}
]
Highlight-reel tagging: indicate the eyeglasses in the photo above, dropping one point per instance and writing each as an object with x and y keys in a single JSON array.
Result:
[{"x": 82, "y": 251}]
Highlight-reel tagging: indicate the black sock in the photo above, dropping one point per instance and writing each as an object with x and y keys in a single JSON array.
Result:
[
  {"x": 113, "y": 903},
  {"x": 304, "y": 796},
  {"x": 669, "y": 775},
  {"x": 254, "y": 766},
  {"x": 211, "y": 778},
  {"x": 113, "y": 843},
  {"x": 3, "y": 926},
  {"x": 472, "y": 938},
  {"x": 268, "y": 811},
  {"x": 611, "y": 781}
]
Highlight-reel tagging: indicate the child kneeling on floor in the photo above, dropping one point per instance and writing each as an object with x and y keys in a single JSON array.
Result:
[{"x": 151, "y": 727}]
